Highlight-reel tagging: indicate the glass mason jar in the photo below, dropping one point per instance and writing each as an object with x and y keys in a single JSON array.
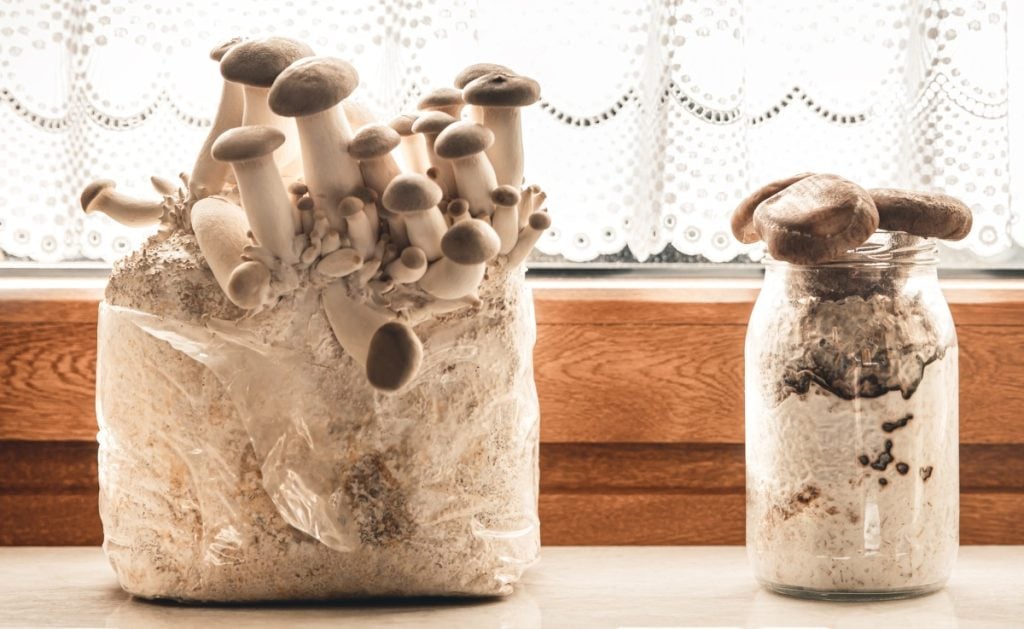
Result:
[{"x": 852, "y": 425}]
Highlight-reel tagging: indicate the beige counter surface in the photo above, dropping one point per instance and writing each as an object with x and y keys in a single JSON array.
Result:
[{"x": 571, "y": 587}]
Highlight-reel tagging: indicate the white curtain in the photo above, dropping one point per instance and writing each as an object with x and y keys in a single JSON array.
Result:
[{"x": 656, "y": 118}]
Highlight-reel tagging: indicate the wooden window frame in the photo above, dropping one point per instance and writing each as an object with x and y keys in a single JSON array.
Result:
[{"x": 640, "y": 382}]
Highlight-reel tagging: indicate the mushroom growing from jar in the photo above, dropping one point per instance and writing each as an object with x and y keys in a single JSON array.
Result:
[
  {"x": 309, "y": 90},
  {"x": 100, "y": 196},
  {"x": 528, "y": 237},
  {"x": 414, "y": 148},
  {"x": 250, "y": 152},
  {"x": 220, "y": 228},
  {"x": 415, "y": 197},
  {"x": 467, "y": 248},
  {"x": 499, "y": 97},
  {"x": 256, "y": 64},
  {"x": 408, "y": 267},
  {"x": 464, "y": 144},
  {"x": 506, "y": 216},
  {"x": 208, "y": 175},
  {"x": 444, "y": 99},
  {"x": 430, "y": 125},
  {"x": 472, "y": 73},
  {"x": 372, "y": 146},
  {"x": 389, "y": 350}
]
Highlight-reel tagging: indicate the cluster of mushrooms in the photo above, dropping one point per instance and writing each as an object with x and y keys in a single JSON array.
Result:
[
  {"x": 294, "y": 178},
  {"x": 815, "y": 218}
]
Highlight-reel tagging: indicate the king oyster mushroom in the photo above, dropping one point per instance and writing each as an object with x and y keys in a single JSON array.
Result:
[
  {"x": 100, "y": 196},
  {"x": 249, "y": 150},
  {"x": 528, "y": 237},
  {"x": 256, "y": 64},
  {"x": 221, "y": 231},
  {"x": 464, "y": 144},
  {"x": 310, "y": 90},
  {"x": 414, "y": 148},
  {"x": 208, "y": 175},
  {"x": 415, "y": 197},
  {"x": 472, "y": 73},
  {"x": 431, "y": 124},
  {"x": 467, "y": 248},
  {"x": 499, "y": 97},
  {"x": 372, "y": 146}
]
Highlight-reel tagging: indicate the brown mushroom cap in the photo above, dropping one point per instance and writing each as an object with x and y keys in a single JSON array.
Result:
[
  {"x": 540, "y": 221},
  {"x": 258, "y": 62},
  {"x": 411, "y": 192},
  {"x": 312, "y": 85},
  {"x": 470, "y": 242},
  {"x": 501, "y": 89},
  {"x": 245, "y": 281},
  {"x": 93, "y": 190},
  {"x": 441, "y": 98},
  {"x": 926, "y": 214},
  {"x": 433, "y": 122},
  {"x": 742, "y": 221},
  {"x": 476, "y": 71},
  {"x": 373, "y": 141},
  {"x": 350, "y": 206},
  {"x": 414, "y": 258},
  {"x": 394, "y": 356},
  {"x": 403, "y": 124},
  {"x": 461, "y": 139},
  {"x": 245, "y": 143},
  {"x": 218, "y": 51},
  {"x": 505, "y": 195},
  {"x": 457, "y": 207}
]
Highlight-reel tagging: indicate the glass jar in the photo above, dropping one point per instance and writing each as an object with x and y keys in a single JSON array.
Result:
[{"x": 852, "y": 425}]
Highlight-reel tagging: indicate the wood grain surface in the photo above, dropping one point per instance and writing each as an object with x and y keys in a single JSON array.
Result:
[{"x": 641, "y": 397}]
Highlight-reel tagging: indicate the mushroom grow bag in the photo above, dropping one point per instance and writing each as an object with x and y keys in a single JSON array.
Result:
[{"x": 236, "y": 469}]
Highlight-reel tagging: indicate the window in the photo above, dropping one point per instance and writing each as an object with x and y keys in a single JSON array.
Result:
[{"x": 656, "y": 118}]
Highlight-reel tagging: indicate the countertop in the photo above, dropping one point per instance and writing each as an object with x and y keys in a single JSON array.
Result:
[{"x": 571, "y": 587}]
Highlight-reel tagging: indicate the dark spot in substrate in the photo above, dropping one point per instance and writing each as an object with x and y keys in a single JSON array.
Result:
[
  {"x": 798, "y": 502},
  {"x": 902, "y": 468},
  {"x": 864, "y": 459},
  {"x": 884, "y": 458},
  {"x": 379, "y": 502},
  {"x": 808, "y": 495},
  {"x": 883, "y": 482},
  {"x": 926, "y": 473},
  {"x": 899, "y": 423}
]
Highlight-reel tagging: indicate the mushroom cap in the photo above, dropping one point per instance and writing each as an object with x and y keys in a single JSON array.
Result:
[
  {"x": 458, "y": 207},
  {"x": 367, "y": 195},
  {"x": 245, "y": 143},
  {"x": 442, "y": 97},
  {"x": 93, "y": 190},
  {"x": 298, "y": 188},
  {"x": 411, "y": 192},
  {"x": 311, "y": 85},
  {"x": 433, "y": 122},
  {"x": 414, "y": 258},
  {"x": 258, "y": 62},
  {"x": 248, "y": 283},
  {"x": 403, "y": 124},
  {"x": 501, "y": 89},
  {"x": 742, "y": 220},
  {"x": 394, "y": 356},
  {"x": 218, "y": 51},
  {"x": 470, "y": 242},
  {"x": 373, "y": 141},
  {"x": 505, "y": 195},
  {"x": 926, "y": 214},
  {"x": 540, "y": 221},
  {"x": 476, "y": 71},
  {"x": 350, "y": 206},
  {"x": 462, "y": 139}
]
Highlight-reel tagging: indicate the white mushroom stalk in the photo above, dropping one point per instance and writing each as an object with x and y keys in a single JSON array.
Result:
[
  {"x": 431, "y": 124},
  {"x": 506, "y": 216},
  {"x": 364, "y": 239},
  {"x": 408, "y": 267},
  {"x": 464, "y": 144},
  {"x": 220, "y": 228},
  {"x": 255, "y": 64},
  {"x": 468, "y": 247},
  {"x": 372, "y": 146},
  {"x": 414, "y": 147},
  {"x": 100, "y": 196},
  {"x": 528, "y": 237},
  {"x": 498, "y": 97},
  {"x": 266, "y": 202},
  {"x": 208, "y": 175},
  {"x": 415, "y": 198},
  {"x": 389, "y": 350},
  {"x": 310, "y": 90}
]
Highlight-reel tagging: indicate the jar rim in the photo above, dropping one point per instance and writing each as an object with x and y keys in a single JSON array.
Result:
[{"x": 883, "y": 249}]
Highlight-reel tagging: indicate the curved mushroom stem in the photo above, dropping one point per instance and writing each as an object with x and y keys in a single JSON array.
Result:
[
  {"x": 209, "y": 175},
  {"x": 475, "y": 178},
  {"x": 100, "y": 196},
  {"x": 409, "y": 267},
  {"x": 255, "y": 112},
  {"x": 267, "y": 205},
  {"x": 340, "y": 263},
  {"x": 447, "y": 279},
  {"x": 221, "y": 232},
  {"x": 528, "y": 237},
  {"x": 165, "y": 187},
  {"x": 506, "y": 154}
]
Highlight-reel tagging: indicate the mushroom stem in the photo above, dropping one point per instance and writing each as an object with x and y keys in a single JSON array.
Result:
[
  {"x": 257, "y": 112},
  {"x": 364, "y": 240},
  {"x": 100, "y": 196},
  {"x": 506, "y": 216},
  {"x": 528, "y": 237},
  {"x": 378, "y": 172},
  {"x": 340, "y": 263},
  {"x": 468, "y": 246},
  {"x": 446, "y": 279},
  {"x": 409, "y": 267},
  {"x": 474, "y": 179},
  {"x": 445, "y": 174},
  {"x": 209, "y": 175},
  {"x": 506, "y": 154},
  {"x": 414, "y": 150},
  {"x": 220, "y": 228},
  {"x": 163, "y": 186},
  {"x": 354, "y": 323}
]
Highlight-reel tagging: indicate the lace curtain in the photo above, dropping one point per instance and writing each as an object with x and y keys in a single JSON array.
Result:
[{"x": 657, "y": 116}]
